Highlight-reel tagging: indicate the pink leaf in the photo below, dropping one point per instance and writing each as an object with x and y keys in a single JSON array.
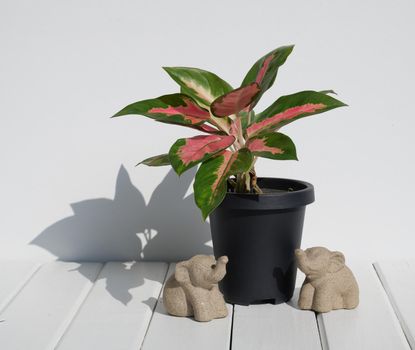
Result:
[
  {"x": 264, "y": 69},
  {"x": 273, "y": 145},
  {"x": 288, "y": 114},
  {"x": 191, "y": 111},
  {"x": 186, "y": 153},
  {"x": 196, "y": 147},
  {"x": 258, "y": 145},
  {"x": 174, "y": 109},
  {"x": 235, "y": 101}
]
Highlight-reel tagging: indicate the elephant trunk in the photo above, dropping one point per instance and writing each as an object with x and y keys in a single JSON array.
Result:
[
  {"x": 301, "y": 258},
  {"x": 220, "y": 270}
]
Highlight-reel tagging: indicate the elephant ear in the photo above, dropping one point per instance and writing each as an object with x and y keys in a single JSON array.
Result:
[
  {"x": 336, "y": 261},
  {"x": 182, "y": 273}
]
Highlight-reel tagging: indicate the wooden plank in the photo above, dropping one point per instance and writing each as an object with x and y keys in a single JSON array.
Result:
[
  {"x": 398, "y": 279},
  {"x": 282, "y": 326},
  {"x": 168, "y": 332},
  {"x": 372, "y": 325},
  {"x": 39, "y": 314},
  {"x": 118, "y": 309},
  {"x": 13, "y": 276}
]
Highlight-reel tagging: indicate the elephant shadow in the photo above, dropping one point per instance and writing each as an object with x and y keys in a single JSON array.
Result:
[{"x": 126, "y": 228}]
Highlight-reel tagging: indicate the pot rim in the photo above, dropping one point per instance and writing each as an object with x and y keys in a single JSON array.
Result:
[
  {"x": 307, "y": 187},
  {"x": 273, "y": 200}
]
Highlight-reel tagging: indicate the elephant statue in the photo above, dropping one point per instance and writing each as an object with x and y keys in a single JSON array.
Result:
[
  {"x": 193, "y": 289},
  {"x": 329, "y": 283}
]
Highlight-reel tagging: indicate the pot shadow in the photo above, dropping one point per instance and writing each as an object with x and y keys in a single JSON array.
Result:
[
  {"x": 281, "y": 278},
  {"x": 293, "y": 302},
  {"x": 168, "y": 228}
]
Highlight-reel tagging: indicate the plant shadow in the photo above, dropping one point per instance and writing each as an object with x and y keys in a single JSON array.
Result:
[{"x": 126, "y": 228}]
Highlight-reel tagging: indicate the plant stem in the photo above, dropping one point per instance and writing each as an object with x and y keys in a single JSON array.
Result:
[
  {"x": 214, "y": 121},
  {"x": 241, "y": 139},
  {"x": 249, "y": 117},
  {"x": 247, "y": 181},
  {"x": 239, "y": 184}
]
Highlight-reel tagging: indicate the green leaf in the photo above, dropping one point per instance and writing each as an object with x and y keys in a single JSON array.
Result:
[
  {"x": 201, "y": 127},
  {"x": 265, "y": 70},
  {"x": 247, "y": 118},
  {"x": 160, "y": 160},
  {"x": 201, "y": 85},
  {"x": 328, "y": 92},
  {"x": 186, "y": 153},
  {"x": 290, "y": 108},
  {"x": 273, "y": 145},
  {"x": 174, "y": 108},
  {"x": 210, "y": 181},
  {"x": 241, "y": 162}
]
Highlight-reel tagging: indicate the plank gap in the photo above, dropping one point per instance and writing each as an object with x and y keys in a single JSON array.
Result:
[
  {"x": 156, "y": 303},
  {"x": 322, "y": 332},
  {"x": 232, "y": 320},
  {"x": 37, "y": 317},
  {"x": 117, "y": 311},
  {"x": 8, "y": 300},
  {"x": 393, "y": 302},
  {"x": 373, "y": 324},
  {"x": 78, "y": 306},
  {"x": 166, "y": 331}
]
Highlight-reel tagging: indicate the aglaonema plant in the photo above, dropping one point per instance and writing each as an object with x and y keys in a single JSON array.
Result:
[{"x": 234, "y": 136}]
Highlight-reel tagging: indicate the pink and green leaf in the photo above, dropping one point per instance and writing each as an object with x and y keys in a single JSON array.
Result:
[
  {"x": 210, "y": 184},
  {"x": 328, "y": 92},
  {"x": 160, "y": 160},
  {"x": 273, "y": 145},
  {"x": 174, "y": 108},
  {"x": 201, "y": 127},
  {"x": 236, "y": 128},
  {"x": 208, "y": 129},
  {"x": 290, "y": 108},
  {"x": 186, "y": 153},
  {"x": 265, "y": 70},
  {"x": 222, "y": 123},
  {"x": 235, "y": 100},
  {"x": 203, "y": 86},
  {"x": 246, "y": 118}
]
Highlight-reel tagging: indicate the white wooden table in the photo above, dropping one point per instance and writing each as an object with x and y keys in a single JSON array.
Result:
[{"x": 117, "y": 306}]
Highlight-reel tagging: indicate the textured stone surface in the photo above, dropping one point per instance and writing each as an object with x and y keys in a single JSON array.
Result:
[
  {"x": 329, "y": 283},
  {"x": 193, "y": 289}
]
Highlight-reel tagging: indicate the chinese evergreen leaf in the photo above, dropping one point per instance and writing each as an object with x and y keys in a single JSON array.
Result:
[
  {"x": 199, "y": 84},
  {"x": 328, "y": 92},
  {"x": 186, "y": 153},
  {"x": 207, "y": 128},
  {"x": 201, "y": 127},
  {"x": 160, "y": 160},
  {"x": 246, "y": 118},
  {"x": 235, "y": 100},
  {"x": 265, "y": 70},
  {"x": 175, "y": 108},
  {"x": 273, "y": 145},
  {"x": 210, "y": 184},
  {"x": 236, "y": 128},
  {"x": 290, "y": 108}
]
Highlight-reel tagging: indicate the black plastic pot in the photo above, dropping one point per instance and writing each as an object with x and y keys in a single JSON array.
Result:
[{"x": 259, "y": 234}]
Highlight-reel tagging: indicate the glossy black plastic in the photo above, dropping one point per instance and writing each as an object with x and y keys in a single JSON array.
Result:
[{"x": 259, "y": 234}]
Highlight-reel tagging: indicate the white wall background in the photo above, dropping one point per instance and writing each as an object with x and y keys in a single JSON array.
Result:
[{"x": 66, "y": 66}]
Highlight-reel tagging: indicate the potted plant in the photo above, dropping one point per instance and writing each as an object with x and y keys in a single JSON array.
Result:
[{"x": 257, "y": 222}]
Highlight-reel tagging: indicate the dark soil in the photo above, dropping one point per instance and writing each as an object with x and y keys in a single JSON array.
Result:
[{"x": 275, "y": 190}]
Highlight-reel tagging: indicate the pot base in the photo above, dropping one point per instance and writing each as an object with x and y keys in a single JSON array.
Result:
[{"x": 256, "y": 302}]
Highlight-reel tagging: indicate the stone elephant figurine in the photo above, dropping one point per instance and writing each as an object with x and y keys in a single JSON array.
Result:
[
  {"x": 329, "y": 283},
  {"x": 193, "y": 289}
]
